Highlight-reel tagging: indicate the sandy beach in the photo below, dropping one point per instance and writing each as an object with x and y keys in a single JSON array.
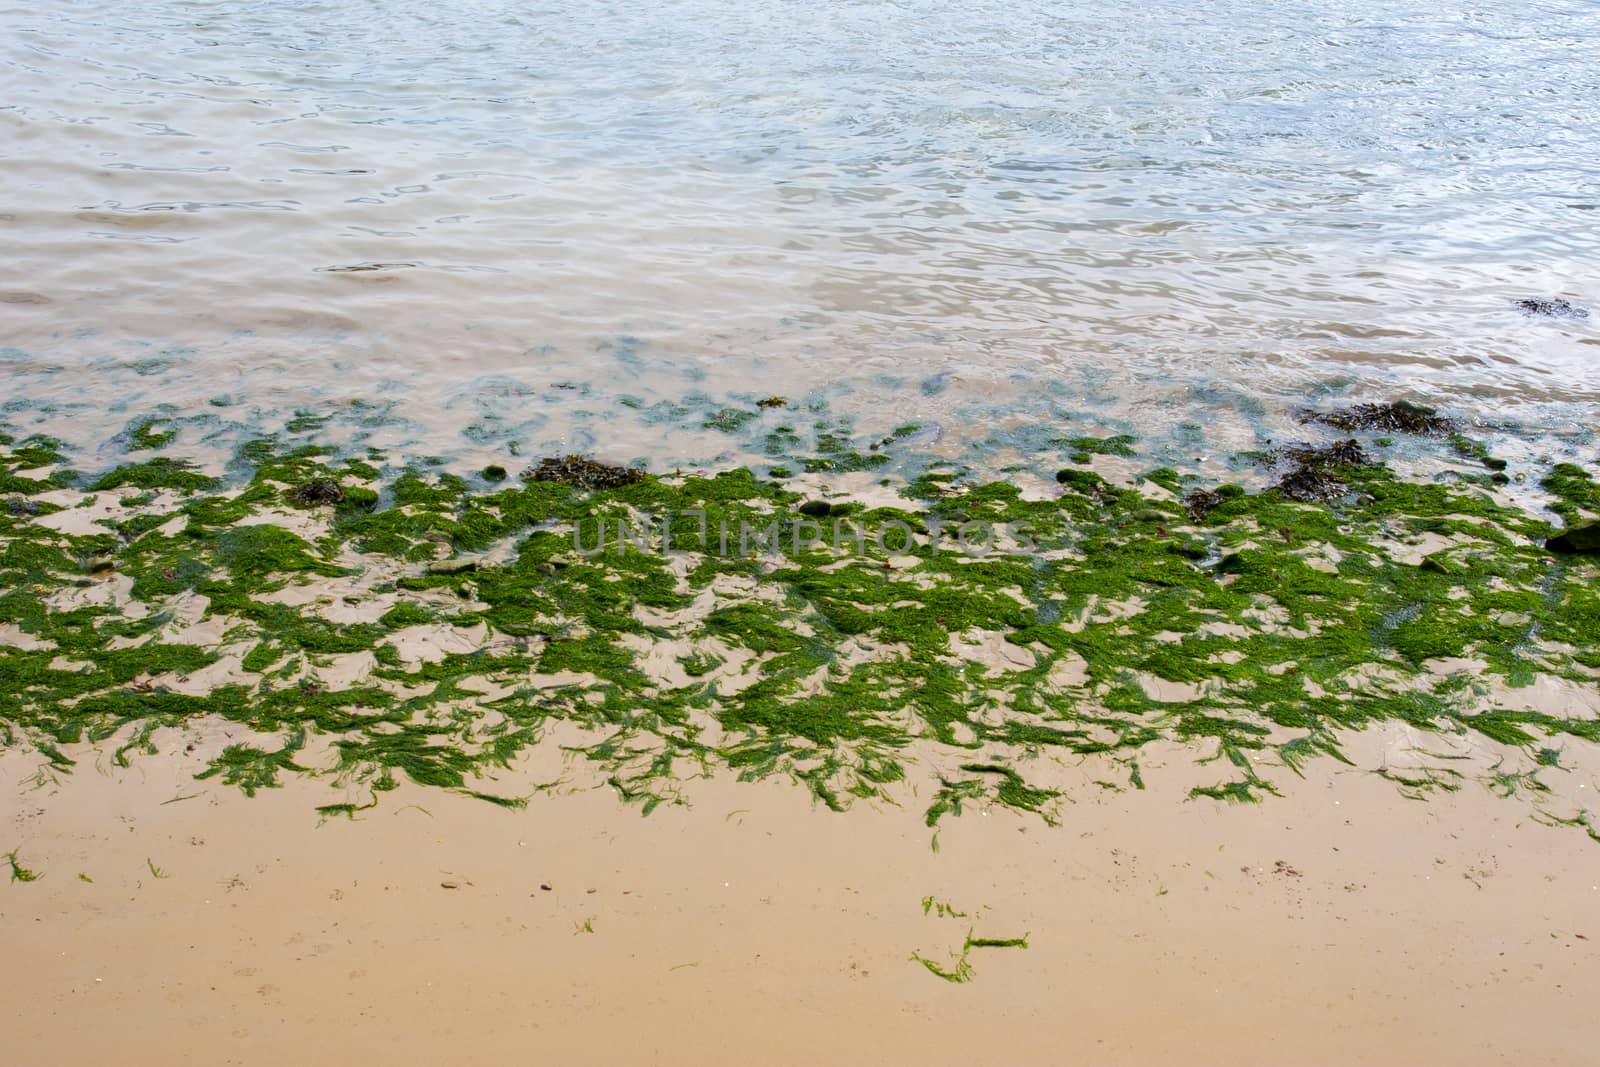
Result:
[{"x": 1334, "y": 925}]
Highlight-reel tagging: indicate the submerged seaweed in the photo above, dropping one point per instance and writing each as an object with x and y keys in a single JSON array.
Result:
[
  {"x": 1553, "y": 307},
  {"x": 1401, "y": 416}
]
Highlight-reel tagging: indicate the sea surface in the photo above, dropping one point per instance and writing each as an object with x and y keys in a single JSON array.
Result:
[{"x": 467, "y": 226}]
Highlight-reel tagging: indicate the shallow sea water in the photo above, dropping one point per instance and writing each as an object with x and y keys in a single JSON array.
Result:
[{"x": 454, "y": 227}]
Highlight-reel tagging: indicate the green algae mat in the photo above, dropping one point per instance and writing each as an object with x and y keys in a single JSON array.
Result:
[{"x": 427, "y": 624}]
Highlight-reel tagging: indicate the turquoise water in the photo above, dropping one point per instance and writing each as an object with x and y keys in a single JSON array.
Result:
[{"x": 942, "y": 212}]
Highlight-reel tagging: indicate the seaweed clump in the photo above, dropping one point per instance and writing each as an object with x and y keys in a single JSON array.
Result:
[
  {"x": 728, "y": 420},
  {"x": 1202, "y": 502},
  {"x": 1556, "y": 308},
  {"x": 583, "y": 473},
  {"x": 1084, "y": 449},
  {"x": 1401, "y": 416},
  {"x": 1315, "y": 477},
  {"x": 316, "y": 492}
]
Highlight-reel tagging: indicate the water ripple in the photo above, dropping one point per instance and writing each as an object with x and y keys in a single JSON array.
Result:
[{"x": 1267, "y": 197}]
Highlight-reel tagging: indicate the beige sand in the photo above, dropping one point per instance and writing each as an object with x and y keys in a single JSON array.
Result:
[{"x": 1339, "y": 924}]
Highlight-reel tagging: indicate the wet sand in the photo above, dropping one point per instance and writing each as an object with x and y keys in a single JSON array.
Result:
[{"x": 1337, "y": 924}]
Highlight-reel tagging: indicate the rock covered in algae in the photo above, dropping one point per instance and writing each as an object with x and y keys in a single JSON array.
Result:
[
  {"x": 1578, "y": 540},
  {"x": 1201, "y": 502},
  {"x": 582, "y": 472},
  {"x": 318, "y": 491}
]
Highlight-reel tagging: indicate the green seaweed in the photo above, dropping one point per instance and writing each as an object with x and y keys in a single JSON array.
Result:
[
  {"x": 1086, "y": 447},
  {"x": 19, "y": 873},
  {"x": 1282, "y": 621},
  {"x": 158, "y": 473},
  {"x": 251, "y": 768}
]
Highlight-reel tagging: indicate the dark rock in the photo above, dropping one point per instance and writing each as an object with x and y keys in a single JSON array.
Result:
[
  {"x": 1556, "y": 308},
  {"x": 816, "y": 509},
  {"x": 494, "y": 473},
  {"x": 313, "y": 493},
  {"x": 18, "y": 508},
  {"x": 1577, "y": 540},
  {"x": 582, "y": 472}
]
